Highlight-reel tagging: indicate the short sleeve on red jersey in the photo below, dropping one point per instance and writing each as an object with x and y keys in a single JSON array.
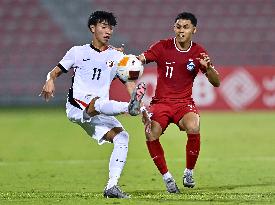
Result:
[{"x": 153, "y": 53}]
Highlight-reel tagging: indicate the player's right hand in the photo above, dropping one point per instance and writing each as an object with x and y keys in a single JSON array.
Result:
[
  {"x": 48, "y": 90},
  {"x": 146, "y": 119},
  {"x": 205, "y": 60}
]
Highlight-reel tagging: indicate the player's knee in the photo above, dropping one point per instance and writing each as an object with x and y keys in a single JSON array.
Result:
[
  {"x": 155, "y": 132},
  {"x": 192, "y": 128},
  {"x": 152, "y": 136},
  {"x": 121, "y": 139}
]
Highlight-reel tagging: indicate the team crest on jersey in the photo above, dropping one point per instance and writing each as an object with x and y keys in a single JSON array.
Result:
[
  {"x": 190, "y": 65},
  {"x": 110, "y": 63}
]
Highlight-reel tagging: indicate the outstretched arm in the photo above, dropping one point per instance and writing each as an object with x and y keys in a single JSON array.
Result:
[
  {"x": 211, "y": 73},
  {"x": 48, "y": 89}
]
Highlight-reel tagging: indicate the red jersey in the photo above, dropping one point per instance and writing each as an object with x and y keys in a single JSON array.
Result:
[{"x": 176, "y": 69}]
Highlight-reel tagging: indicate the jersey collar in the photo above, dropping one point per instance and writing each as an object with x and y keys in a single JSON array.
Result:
[
  {"x": 97, "y": 50},
  {"x": 184, "y": 51}
]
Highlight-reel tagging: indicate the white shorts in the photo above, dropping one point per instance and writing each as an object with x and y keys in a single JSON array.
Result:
[{"x": 96, "y": 126}]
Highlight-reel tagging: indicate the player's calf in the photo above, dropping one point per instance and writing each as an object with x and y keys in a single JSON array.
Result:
[{"x": 135, "y": 102}]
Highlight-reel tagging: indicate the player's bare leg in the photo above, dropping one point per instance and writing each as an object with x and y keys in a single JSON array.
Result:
[
  {"x": 107, "y": 107},
  {"x": 191, "y": 123},
  {"x": 112, "y": 108},
  {"x": 118, "y": 158},
  {"x": 136, "y": 97},
  {"x": 146, "y": 119},
  {"x": 156, "y": 152}
]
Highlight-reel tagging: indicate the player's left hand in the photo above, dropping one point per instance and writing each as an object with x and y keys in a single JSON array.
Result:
[{"x": 205, "y": 60}]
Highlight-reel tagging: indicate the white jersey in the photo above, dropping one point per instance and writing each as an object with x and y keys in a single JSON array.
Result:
[{"x": 94, "y": 70}]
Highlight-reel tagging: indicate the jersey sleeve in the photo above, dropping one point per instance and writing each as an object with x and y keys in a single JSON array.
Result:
[
  {"x": 153, "y": 53},
  {"x": 67, "y": 61}
]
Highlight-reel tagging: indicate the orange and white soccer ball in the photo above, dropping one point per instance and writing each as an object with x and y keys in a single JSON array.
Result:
[{"x": 129, "y": 68}]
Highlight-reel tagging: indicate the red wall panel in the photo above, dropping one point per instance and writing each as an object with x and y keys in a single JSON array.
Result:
[{"x": 242, "y": 88}]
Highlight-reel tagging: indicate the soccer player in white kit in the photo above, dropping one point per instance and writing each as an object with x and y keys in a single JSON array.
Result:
[{"x": 88, "y": 101}]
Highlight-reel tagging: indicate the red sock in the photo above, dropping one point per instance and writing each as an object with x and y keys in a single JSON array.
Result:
[
  {"x": 157, "y": 154},
  {"x": 192, "y": 150}
]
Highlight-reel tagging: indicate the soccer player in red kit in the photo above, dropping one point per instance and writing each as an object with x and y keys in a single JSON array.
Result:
[{"x": 178, "y": 62}]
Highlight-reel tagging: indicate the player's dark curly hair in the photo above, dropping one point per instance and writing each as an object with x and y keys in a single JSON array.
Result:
[
  {"x": 100, "y": 16},
  {"x": 187, "y": 16}
]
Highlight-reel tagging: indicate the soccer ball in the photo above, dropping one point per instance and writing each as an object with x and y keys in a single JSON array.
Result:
[{"x": 129, "y": 68}]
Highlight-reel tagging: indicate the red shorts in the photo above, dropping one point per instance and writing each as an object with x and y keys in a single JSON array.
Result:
[{"x": 171, "y": 111}]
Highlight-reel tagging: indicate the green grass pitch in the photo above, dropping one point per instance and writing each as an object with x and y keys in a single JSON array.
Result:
[{"x": 45, "y": 159}]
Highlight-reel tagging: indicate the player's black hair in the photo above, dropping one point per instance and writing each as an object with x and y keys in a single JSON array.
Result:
[
  {"x": 187, "y": 16},
  {"x": 101, "y": 16}
]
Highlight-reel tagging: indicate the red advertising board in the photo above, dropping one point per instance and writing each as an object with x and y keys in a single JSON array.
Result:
[{"x": 242, "y": 88}]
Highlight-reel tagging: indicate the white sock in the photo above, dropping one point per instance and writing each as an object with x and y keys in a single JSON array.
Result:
[
  {"x": 190, "y": 171},
  {"x": 113, "y": 178},
  {"x": 167, "y": 175},
  {"x": 118, "y": 158},
  {"x": 110, "y": 107}
]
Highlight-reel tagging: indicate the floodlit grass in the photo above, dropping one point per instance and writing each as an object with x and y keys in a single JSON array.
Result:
[{"x": 45, "y": 159}]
